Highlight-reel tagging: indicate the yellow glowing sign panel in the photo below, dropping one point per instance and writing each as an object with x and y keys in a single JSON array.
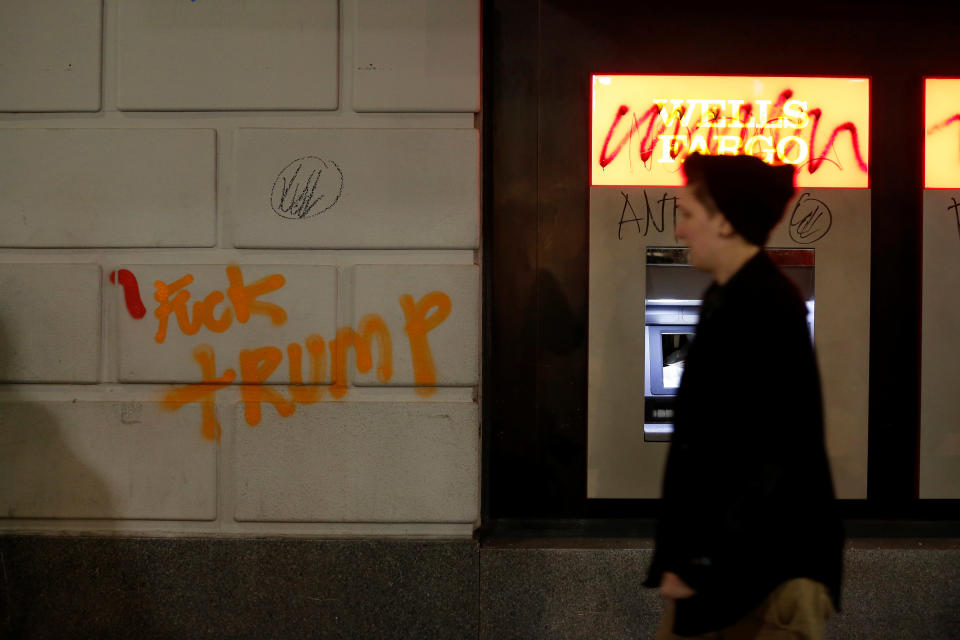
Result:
[
  {"x": 941, "y": 149},
  {"x": 644, "y": 126}
]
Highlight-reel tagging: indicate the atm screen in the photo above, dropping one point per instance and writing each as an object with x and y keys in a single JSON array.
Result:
[
  {"x": 666, "y": 355},
  {"x": 674, "y": 349}
]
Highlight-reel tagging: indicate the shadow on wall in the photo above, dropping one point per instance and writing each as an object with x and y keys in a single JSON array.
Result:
[
  {"x": 41, "y": 474},
  {"x": 41, "y": 477},
  {"x": 545, "y": 465}
]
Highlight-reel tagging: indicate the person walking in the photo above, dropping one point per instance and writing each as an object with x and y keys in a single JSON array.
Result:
[{"x": 749, "y": 544}]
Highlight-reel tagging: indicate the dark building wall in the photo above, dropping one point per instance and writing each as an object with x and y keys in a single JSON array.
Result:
[{"x": 539, "y": 56}]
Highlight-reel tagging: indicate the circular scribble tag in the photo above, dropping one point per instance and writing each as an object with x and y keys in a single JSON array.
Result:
[
  {"x": 810, "y": 221},
  {"x": 306, "y": 187}
]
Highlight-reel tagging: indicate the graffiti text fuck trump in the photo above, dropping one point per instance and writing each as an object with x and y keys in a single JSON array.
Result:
[{"x": 327, "y": 359}]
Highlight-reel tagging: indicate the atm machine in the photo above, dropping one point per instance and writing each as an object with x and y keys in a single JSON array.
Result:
[
  {"x": 673, "y": 295},
  {"x": 641, "y": 129}
]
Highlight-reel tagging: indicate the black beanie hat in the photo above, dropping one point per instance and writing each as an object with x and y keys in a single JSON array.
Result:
[{"x": 749, "y": 193}]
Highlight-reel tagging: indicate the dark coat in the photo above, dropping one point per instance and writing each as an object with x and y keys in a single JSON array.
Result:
[{"x": 748, "y": 500}]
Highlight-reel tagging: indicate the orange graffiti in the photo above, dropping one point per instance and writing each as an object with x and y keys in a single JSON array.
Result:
[
  {"x": 371, "y": 326},
  {"x": 419, "y": 324},
  {"x": 257, "y": 365},
  {"x": 178, "y": 306},
  {"x": 301, "y": 393},
  {"x": 242, "y": 297},
  {"x": 202, "y": 393}
]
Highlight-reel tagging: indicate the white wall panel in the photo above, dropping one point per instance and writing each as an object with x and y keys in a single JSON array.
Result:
[
  {"x": 50, "y": 55},
  {"x": 49, "y": 323},
  {"x": 357, "y": 188},
  {"x": 360, "y": 462},
  {"x": 227, "y": 55},
  {"x": 105, "y": 460},
  {"x": 417, "y": 55},
  {"x": 940, "y": 366},
  {"x": 107, "y": 187},
  {"x": 444, "y": 298}
]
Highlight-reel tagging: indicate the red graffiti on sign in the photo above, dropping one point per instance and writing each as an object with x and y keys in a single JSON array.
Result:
[
  {"x": 778, "y": 131},
  {"x": 943, "y": 125}
]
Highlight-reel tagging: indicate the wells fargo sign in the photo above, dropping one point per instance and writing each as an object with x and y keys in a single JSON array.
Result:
[
  {"x": 941, "y": 152},
  {"x": 644, "y": 126}
]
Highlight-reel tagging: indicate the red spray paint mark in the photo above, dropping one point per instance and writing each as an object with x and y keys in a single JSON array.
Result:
[
  {"x": 131, "y": 292},
  {"x": 646, "y": 150},
  {"x": 945, "y": 123},
  {"x": 815, "y": 160}
]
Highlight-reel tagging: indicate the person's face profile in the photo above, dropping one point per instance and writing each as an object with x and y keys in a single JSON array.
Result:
[{"x": 698, "y": 228}]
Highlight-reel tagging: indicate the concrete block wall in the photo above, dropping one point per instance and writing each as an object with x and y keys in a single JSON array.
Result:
[{"x": 239, "y": 281}]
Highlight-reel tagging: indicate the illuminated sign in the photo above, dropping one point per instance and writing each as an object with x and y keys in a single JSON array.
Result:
[
  {"x": 644, "y": 126},
  {"x": 941, "y": 149}
]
